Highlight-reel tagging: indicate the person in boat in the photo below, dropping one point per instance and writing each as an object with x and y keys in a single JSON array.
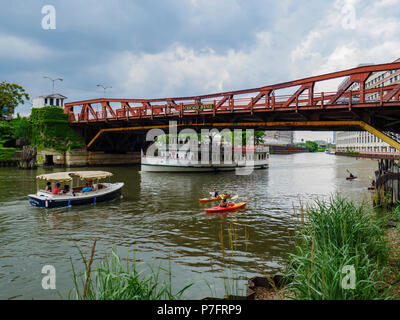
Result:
[
  {"x": 214, "y": 194},
  {"x": 48, "y": 187},
  {"x": 66, "y": 189},
  {"x": 351, "y": 175},
  {"x": 223, "y": 203},
  {"x": 87, "y": 188},
  {"x": 57, "y": 189}
]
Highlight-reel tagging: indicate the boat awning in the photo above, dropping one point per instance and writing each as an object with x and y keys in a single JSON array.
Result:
[
  {"x": 67, "y": 176},
  {"x": 56, "y": 177},
  {"x": 92, "y": 175}
]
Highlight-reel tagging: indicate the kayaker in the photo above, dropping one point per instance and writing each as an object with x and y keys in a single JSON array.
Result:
[
  {"x": 223, "y": 203},
  {"x": 214, "y": 194},
  {"x": 351, "y": 175}
]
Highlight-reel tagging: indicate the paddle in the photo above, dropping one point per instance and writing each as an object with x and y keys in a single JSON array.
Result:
[
  {"x": 235, "y": 197},
  {"x": 226, "y": 195}
]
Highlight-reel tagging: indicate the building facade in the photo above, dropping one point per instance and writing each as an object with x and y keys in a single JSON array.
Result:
[
  {"x": 49, "y": 100},
  {"x": 275, "y": 137},
  {"x": 363, "y": 141}
]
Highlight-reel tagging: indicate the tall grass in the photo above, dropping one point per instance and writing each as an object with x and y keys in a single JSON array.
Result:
[
  {"x": 338, "y": 233},
  {"x": 396, "y": 214},
  {"x": 114, "y": 279}
]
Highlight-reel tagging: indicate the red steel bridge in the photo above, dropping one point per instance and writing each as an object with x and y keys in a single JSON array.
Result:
[{"x": 112, "y": 124}]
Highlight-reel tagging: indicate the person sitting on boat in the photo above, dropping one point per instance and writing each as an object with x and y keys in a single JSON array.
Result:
[
  {"x": 57, "y": 189},
  {"x": 66, "y": 189},
  {"x": 214, "y": 194},
  {"x": 48, "y": 187},
  {"x": 87, "y": 188},
  {"x": 351, "y": 175},
  {"x": 223, "y": 203}
]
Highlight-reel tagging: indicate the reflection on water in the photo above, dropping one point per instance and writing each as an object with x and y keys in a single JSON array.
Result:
[{"x": 160, "y": 218}]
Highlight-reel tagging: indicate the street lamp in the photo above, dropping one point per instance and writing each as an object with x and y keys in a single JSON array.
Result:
[
  {"x": 99, "y": 85},
  {"x": 53, "y": 80}
]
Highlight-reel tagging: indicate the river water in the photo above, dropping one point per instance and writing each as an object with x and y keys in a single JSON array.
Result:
[{"x": 160, "y": 222}]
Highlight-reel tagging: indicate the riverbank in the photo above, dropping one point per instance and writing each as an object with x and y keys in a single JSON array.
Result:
[{"x": 343, "y": 252}]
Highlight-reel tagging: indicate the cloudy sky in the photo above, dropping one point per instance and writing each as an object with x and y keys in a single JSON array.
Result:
[{"x": 164, "y": 48}]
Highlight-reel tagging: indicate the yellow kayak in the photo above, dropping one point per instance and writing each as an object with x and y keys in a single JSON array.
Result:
[{"x": 217, "y": 198}]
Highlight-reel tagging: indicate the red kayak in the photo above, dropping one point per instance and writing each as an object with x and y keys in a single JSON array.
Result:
[{"x": 230, "y": 207}]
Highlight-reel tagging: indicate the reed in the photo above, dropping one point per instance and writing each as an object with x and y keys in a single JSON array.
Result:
[
  {"x": 114, "y": 280},
  {"x": 337, "y": 233},
  {"x": 396, "y": 215}
]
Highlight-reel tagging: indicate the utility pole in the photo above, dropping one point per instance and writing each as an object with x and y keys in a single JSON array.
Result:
[
  {"x": 104, "y": 88},
  {"x": 53, "y": 80}
]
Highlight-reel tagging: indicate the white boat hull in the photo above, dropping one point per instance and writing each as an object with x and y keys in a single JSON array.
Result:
[{"x": 173, "y": 166}]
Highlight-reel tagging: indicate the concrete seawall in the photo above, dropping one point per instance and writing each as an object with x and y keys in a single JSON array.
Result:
[{"x": 82, "y": 158}]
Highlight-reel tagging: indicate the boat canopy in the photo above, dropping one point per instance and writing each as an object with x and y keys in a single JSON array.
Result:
[{"x": 67, "y": 176}]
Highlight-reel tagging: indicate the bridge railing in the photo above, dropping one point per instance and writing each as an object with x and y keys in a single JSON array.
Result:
[
  {"x": 262, "y": 99},
  {"x": 86, "y": 113}
]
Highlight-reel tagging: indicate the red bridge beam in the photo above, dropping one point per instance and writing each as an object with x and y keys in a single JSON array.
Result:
[{"x": 226, "y": 102}]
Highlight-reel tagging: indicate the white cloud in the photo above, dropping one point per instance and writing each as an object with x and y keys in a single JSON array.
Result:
[
  {"x": 12, "y": 47},
  {"x": 181, "y": 70},
  {"x": 330, "y": 47}
]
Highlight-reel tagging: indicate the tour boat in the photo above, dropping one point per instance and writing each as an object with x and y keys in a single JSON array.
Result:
[
  {"x": 74, "y": 196},
  {"x": 204, "y": 158}
]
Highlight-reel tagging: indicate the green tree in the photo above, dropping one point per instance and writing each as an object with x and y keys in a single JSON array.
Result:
[
  {"x": 11, "y": 95},
  {"x": 312, "y": 146}
]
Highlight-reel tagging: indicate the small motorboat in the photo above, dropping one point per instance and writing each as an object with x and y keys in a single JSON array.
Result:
[
  {"x": 75, "y": 195},
  {"x": 217, "y": 198},
  {"x": 230, "y": 207},
  {"x": 351, "y": 178}
]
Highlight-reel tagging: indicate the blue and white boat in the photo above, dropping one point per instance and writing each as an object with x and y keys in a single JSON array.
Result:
[{"x": 74, "y": 195}]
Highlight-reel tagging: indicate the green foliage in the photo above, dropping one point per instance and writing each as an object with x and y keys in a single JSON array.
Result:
[
  {"x": 246, "y": 137},
  {"x": 396, "y": 214},
  {"x": 50, "y": 129},
  {"x": 6, "y": 154},
  {"x": 11, "y": 95},
  {"x": 351, "y": 152},
  {"x": 5, "y": 131},
  {"x": 338, "y": 234},
  {"x": 310, "y": 145},
  {"x": 21, "y": 128}
]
